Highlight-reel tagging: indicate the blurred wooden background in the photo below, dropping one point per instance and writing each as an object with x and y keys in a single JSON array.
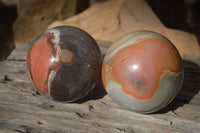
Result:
[{"x": 104, "y": 19}]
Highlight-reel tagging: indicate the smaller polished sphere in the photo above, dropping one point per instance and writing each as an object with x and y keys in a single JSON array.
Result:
[
  {"x": 142, "y": 71},
  {"x": 64, "y": 63}
]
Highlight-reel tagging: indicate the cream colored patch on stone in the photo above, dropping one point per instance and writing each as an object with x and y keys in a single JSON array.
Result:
[{"x": 66, "y": 56}]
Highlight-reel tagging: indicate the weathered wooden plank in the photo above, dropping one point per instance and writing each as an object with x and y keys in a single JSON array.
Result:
[{"x": 24, "y": 110}]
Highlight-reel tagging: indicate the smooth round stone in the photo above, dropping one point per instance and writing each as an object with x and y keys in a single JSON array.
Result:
[
  {"x": 64, "y": 63},
  {"x": 142, "y": 71}
]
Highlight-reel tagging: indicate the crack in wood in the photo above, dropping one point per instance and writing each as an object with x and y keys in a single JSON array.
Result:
[
  {"x": 7, "y": 78},
  {"x": 125, "y": 130},
  {"x": 91, "y": 108},
  {"x": 39, "y": 122},
  {"x": 79, "y": 115}
]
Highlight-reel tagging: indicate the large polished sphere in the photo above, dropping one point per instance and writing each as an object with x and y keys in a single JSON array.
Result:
[
  {"x": 64, "y": 63},
  {"x": 142, "y": 71}
]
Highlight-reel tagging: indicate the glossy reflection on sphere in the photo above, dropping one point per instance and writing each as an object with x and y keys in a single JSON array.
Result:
[
  {"x": 64, "y": 63},
  {"x": 142, "y": 71}
]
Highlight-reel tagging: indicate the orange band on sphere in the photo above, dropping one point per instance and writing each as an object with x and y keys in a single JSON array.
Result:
[{"x": 139, "y": 66}]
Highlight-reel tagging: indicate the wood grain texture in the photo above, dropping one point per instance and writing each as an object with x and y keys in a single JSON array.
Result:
[{"x": 24, "y": 110}]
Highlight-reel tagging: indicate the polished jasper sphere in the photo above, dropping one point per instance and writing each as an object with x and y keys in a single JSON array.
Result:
[
  {"x": 64, "y": 63},
  {"x": 142, "y": 71}
]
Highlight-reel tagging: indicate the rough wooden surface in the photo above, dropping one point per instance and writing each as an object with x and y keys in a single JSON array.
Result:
[{"x": 24, "y": 110}]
